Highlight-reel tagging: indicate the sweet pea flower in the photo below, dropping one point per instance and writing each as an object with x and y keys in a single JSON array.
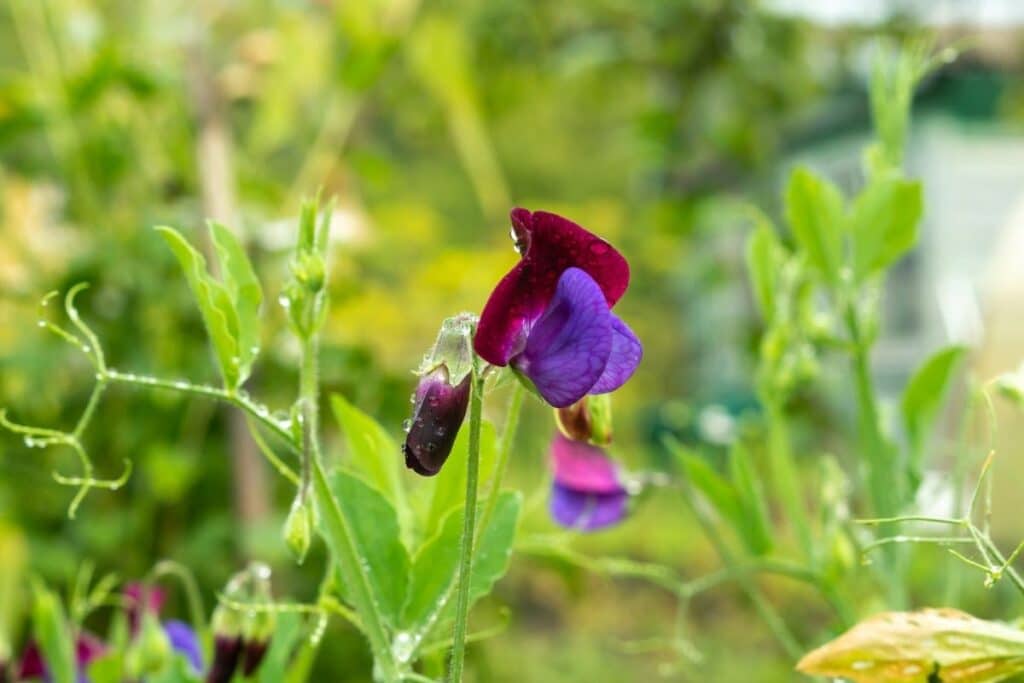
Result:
[
  {"x": 550, "y": 317},
  {"x": 588, "y": 493}
]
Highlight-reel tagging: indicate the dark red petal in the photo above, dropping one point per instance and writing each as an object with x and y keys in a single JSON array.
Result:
[{"x": 550, "y": 244}]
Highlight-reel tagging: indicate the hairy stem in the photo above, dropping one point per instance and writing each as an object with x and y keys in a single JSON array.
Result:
[{"x": 468, "y": 529}]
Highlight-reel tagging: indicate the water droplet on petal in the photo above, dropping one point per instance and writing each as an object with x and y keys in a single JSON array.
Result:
[{"x": 406, "y": 425}]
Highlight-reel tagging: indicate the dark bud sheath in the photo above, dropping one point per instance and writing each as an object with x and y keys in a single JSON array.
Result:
[
  {"x": 440, "y": 408},
  {"x": 226, "y": 653},
  {"x": 253, "y": 652},
  {"x": 4, "y": 678}
]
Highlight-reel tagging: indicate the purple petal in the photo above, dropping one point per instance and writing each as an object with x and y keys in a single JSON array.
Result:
[
  {"x": 185, "y": 641},
  {"x": 583, "y": 468},
  {"x": 549, "y": 244},
  {"x": 568, "y": 347},
  {"x": 623, "y": 360},
  {"x": 587, "y": 511}
]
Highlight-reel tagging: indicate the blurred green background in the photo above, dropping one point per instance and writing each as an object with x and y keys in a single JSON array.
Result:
[{"x": 650, "y": 123}]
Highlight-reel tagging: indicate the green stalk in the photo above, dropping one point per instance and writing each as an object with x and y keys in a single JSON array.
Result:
[
  {"x": 468, "y": 530},
  {"x": 336, "y": 529},
  {"x": 885, "y": 476}
]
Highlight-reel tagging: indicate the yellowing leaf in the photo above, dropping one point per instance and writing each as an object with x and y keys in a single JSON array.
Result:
[{"x": 929, "y": 646}]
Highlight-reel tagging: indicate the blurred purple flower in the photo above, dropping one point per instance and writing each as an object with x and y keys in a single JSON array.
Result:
[
  {"x": 184, "y": 641},
  {"x": 87, "y": 648},
  {"x": 550, "y": 317},
  {"x": 587, "y": 493}
]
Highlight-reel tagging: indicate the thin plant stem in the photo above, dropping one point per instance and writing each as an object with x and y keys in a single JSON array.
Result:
[
  {"x": 884, "y": 481},
  {"x": 192, "y": 593},
  {"x": 468, "y": 529},
  {"x": 508, "y": 437}
]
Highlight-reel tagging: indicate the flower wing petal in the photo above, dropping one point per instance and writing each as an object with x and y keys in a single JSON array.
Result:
[
  {"x": 583, "y": 467},
  {"x": 550, "y": 244},
  {"x": 623, "y": 360},
  {"x": 568, "y": 347},
  {"x": 587, "y": 511}
]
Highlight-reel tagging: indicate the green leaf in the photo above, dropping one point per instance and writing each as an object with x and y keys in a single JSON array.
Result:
[
  {"x": 814, "y": 210},
  {"x": 917, "y": 647},
  {"x": 287, "y": 634},
  {"x": 924, "y": 394},
  {"x": 755, "y": 527},
  {"x": 433, "y": 579},
  {"x": 883, "y": 223},
  {"x": 450, "y": 482},
  {"x": 372, "y": 453},
  {"x": 377, "y": 538},
  {"x": 215, "y": 305},
  {"x": 764, "y": 259},
  {"x": 50, "y": 629},
  {"x": 718, "y": 491},
  {"x": 245, "y": 291}
]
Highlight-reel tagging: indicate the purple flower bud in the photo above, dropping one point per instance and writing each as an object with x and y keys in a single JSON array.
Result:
[
  {"x": 441, "y": 398},
  {"x": 226, "y": 651},
  {"x": 253, "y": 652},
  {"x": 587, "y": 493},
  {"x": 440, "y": 408}
]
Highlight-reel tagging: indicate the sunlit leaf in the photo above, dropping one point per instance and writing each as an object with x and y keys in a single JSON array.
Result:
[
  {"x": 50, "y": 629},
  {"x": 814, "y": 210},
  {"x": 214, "y": 303},
  {"x": 435, "y": 567},
  {"x": 245, "y": 291},
  {"x": 929, "y": 646},
  {"x": 883, "y": 223},
  {"x": 376, "y": 534}
]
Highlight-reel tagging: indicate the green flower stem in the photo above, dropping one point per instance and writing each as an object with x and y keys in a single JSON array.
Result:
[
  {"x": 468, "y": 528},
  {"x": 508, "y": 437},
  {"x": 336, "y": 528},
  {"x": 191, "y": 588}
]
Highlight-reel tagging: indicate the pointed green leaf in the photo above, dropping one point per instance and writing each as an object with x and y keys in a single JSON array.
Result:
[
  {"x": 883, "y": 223},
  {"x": 450, "y": 482},
  {"x": 814, "y": 210},
  {"x": 377, "y": 538},
  {"x": 372, "y": 453},
  {"x": 755, "y": 527},
  {"x": 214, "y": 302},
  {"x": 764, "y": 259},
  {"x": 924, "y": 394},
  {"x": 718, "y": 492},
  {"x": 433, "y": 579},
  {"x": 50, "y": 629},
  {"x": 245, "y": 291}
]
